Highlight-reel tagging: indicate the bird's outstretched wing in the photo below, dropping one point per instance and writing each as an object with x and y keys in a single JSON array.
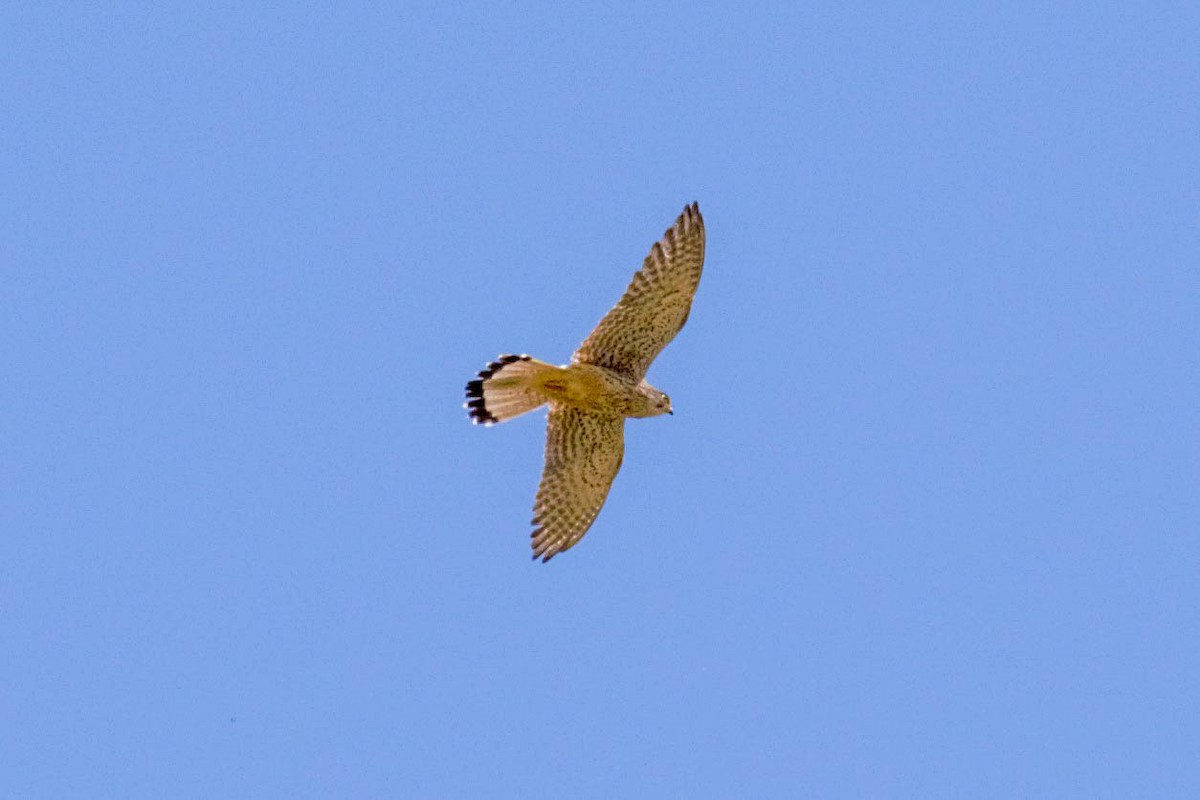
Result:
[
  {"x": 583, "y": 454},
  {"x": 656, "y": 304}
]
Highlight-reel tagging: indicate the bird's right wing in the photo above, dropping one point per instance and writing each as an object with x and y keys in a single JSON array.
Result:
[{"x": 583, "y": 453}]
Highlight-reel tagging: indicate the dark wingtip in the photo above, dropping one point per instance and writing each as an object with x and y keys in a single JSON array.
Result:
[{"x": 689, "y": 217}]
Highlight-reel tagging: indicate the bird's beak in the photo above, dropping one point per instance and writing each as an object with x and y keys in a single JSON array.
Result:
[{"x": 671, "y": 411}]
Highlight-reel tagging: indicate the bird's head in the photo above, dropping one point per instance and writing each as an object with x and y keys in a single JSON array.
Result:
[{"x": 657, "y": 403}]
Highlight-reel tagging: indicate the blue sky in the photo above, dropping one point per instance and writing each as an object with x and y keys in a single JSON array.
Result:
[{"x": 925, "y": 521}]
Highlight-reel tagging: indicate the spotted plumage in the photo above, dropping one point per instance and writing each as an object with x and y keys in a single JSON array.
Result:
[
  {"x": 605, "y": 382},
  {"x": 655, "y": 306},
  {"x": 583, "y": 453}
]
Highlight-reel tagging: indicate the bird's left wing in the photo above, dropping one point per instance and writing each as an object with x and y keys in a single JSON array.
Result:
[
  {"x": 656, "y": 304},
  {"x": 583, "y": 453}
]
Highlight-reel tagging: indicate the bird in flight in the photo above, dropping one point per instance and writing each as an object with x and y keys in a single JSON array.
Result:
[{"x": 604, "y": 383}]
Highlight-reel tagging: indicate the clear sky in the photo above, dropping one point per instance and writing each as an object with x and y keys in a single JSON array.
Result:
[{"x": 925, "y": 523}]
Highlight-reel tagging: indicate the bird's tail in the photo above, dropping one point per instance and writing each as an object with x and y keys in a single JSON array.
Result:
[{"x": 508, "y": 387}]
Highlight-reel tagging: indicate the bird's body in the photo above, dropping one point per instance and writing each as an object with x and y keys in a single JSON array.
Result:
[
  {"x": 600, "y": 390},
  {"x": 604, "y": 383}
]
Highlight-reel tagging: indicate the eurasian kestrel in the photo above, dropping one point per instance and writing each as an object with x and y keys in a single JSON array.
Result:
[{"x": 604, "y": 383}]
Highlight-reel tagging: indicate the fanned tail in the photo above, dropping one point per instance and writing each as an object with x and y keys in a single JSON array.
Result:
[{"x": 506, "y": 388}]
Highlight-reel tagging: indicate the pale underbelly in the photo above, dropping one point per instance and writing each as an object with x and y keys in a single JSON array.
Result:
[{"x": 586, "y": 390}]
